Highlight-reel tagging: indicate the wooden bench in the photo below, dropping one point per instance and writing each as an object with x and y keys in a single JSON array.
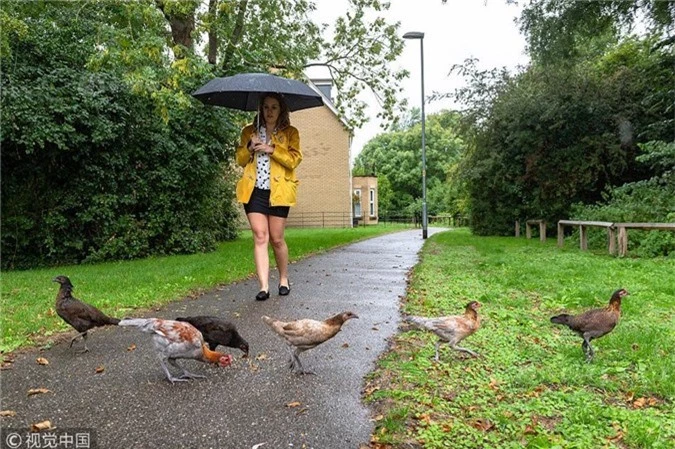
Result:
[
  {"x": 542, "y": 229},
  {"x": 583, "y": 232},
  {"x": 623, "y": 233}
]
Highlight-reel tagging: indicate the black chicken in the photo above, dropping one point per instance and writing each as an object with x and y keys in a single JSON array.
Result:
[
  {"x": 594, "y": 323},
  {"x": 80, "y": 315},
  {"x": 217, "y": 331}
]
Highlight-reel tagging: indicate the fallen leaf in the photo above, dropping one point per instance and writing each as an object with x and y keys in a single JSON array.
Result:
[
  {"x": 494, "y": 384},
  {"x": 42, "y": 361},
  {"x": 370, "y": 390},
  {"x": 44, "y": 425},
  {"x": 293, "y": 404},
  {"x": 378, "y": 418},
  {"x": 99, "y": 369},
  {"x": 7, "y": 413},
  {"x": 374, "y": 328},
  {"x": 252, "y": 367},
  {"x": 33, "y": 391},
  {"x": 644, "y": 402},
  {"x": 132, "y": 347},
  {"x": 345, "y": 345},
  {"x": 425, "y": 417},
  {"x": 482, "y": 424}
]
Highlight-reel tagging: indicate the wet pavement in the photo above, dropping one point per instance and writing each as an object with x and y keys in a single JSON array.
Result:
[{"x": 257, "y": 403}]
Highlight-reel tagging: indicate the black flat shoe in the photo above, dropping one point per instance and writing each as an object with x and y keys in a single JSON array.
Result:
[
  {"x": 283, "y": 290},
  {"x": 262, "y": 295}
]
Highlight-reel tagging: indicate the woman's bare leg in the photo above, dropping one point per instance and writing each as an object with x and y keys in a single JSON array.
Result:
[
  {"x": 261, "y": 237},
  {"x": 277, "y": 225}
]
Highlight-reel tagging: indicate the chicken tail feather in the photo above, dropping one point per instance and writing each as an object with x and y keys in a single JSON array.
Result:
[
  {"x": 417, "y": 321},
  {"x": 137, "y": 322},
  {"x": 561, "y": 319}
]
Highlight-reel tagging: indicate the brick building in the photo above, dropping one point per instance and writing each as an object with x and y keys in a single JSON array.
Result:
[
  {"x": 325, "y": 189},
  {"x": 365, "y": 199}
]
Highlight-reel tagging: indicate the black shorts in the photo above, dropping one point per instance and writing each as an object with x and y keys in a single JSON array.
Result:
[{"x": 260, "y": 203}]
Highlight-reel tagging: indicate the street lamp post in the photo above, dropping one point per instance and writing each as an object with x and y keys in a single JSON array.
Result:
[{"x": 419, "y": 35}]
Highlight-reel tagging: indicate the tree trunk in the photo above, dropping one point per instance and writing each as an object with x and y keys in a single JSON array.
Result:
[
  {"x": 237, "y": 32},
  {"x": 213, "y": 32},
  {"x": 182, "y": 26}
]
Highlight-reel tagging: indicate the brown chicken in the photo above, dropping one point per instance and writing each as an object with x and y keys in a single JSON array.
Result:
[
  {"x": 217, "y": 331},
  {"x": 594, "y": 323},
  {"x": 451, "y": 329},
  {"x": 80, "y": 315},
  {"x": 177, "y": 340},
  {"x": 302, "y": 335}
]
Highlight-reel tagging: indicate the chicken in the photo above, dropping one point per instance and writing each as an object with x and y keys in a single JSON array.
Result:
[
  {"x": 451, "y": 329},
  {"x": 217, "y": 331},
  {"x": 305, "y": 334},
  {"x": 594, "y": 323},
  {"x": 80, "y": 315},
  {"x": 177, "y": 340}
]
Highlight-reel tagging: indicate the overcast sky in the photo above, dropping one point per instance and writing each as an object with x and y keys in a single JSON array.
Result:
[{"x": 453, "y": 32}]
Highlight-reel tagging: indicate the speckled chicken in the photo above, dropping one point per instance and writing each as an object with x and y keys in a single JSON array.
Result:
[
  {"x": 301, "y": 335},
  {"x": 217, "y": 331},
  {"x": 594, "y": 323},
  {"x": 177, "y": 340},
  {"x": 451, "y": 329},
  {"x": 80, "y": 315}
]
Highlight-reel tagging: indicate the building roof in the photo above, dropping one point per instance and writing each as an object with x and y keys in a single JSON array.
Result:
[{"x": 328, "y": 102}]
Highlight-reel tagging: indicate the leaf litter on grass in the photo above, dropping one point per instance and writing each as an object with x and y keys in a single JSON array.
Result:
[{"x": 533, "y": 387}]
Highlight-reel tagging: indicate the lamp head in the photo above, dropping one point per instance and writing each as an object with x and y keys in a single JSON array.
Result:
[{"x": 413, "y": 35}]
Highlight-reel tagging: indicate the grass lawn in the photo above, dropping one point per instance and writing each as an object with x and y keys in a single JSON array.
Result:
[
  {"x": 28, "y": 316},
  {"x": 532, "y": 387}
]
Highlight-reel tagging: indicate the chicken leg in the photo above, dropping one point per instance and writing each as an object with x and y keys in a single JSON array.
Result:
[
  {"x": 294, "y": 362},
  {"x": 84, "y": 340},
  {"x": 186, "y": 374},
  {"x": 588, "y": 350},
  {"x": 456, "y": 348}
]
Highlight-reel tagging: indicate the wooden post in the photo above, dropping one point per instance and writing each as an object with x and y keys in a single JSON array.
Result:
[
  {"x": 528, "y": 231},
  {"x": 583, "y": 238},
  {"x": 542, "y": 231},
  {"x": 623, "y": 241},
  {"x": 611, "y": 234},
  {"x": 561, "y": 236},
  {"x": 517, "y": 228}
]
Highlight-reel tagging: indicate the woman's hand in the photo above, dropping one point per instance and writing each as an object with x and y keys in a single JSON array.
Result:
[{"x": 263, "y": 148}]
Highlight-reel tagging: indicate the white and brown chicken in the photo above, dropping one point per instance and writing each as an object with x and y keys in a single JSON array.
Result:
[
  {"x": 301, "y": 335},
  {"x": 178, "y": 340},
  {"x": 451, "y": 329}
]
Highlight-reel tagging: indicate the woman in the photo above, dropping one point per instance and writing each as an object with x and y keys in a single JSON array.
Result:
[{"x": 268, "y": 186}]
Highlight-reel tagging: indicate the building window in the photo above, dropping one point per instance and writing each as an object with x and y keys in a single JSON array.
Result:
[
  {"x": 371, "y": 202},
  {"x": 357, "y": 202}
]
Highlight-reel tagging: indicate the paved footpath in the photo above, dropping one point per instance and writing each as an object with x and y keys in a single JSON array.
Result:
[{"x": 246, "y": 406}]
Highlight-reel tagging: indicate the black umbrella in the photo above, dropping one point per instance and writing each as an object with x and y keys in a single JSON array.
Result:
[{"x": 243, "y": 92}]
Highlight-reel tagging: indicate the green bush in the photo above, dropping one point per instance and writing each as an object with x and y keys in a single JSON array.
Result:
[{"x": 94, "y": 169}]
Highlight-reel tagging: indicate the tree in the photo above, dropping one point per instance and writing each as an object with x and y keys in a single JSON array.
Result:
[
  {"x": 396, "y": 157},
  {"x": 98, "y": 163},
  {"x": 560, "y": 30},
  {"x": 559, "y": 134},
  {"x": 278, "y": 34}
]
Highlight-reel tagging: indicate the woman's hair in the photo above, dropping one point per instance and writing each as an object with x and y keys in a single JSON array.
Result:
[{"x": 284, "y": 119}]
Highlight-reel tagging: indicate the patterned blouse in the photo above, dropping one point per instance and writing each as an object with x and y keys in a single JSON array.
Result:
[{"x": 262, "y": 180}]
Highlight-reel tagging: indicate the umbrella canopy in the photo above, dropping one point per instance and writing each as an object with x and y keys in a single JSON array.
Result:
[{"x": 243, "y": 91}]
